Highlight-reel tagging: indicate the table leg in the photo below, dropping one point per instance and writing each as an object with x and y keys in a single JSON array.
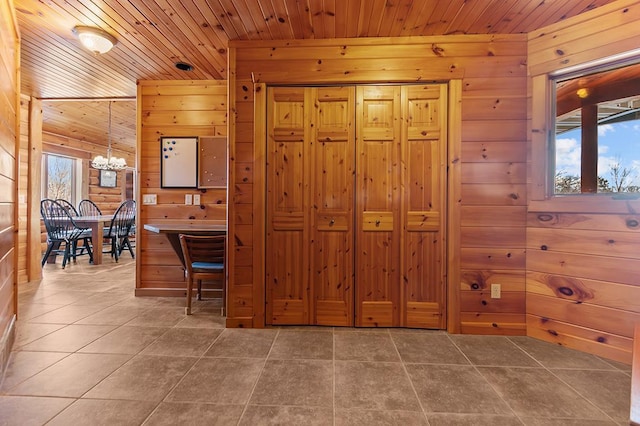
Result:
[{"x": 97, "y": 236}]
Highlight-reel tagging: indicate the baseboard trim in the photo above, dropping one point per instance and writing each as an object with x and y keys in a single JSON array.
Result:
[
  {"x": 160, "y": 292},
  {"x": 173, "y": 292},
  {"x": 6, "y": 343}
]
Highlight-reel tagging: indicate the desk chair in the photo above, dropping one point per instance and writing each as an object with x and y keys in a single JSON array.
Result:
[{"x": 204, "y": 260}]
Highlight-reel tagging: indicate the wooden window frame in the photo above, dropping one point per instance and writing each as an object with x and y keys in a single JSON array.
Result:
[{"x": 542, "y": 164}]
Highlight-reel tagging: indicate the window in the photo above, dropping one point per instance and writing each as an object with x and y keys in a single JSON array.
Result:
[
  {"x": 597, "y": 131},
  {"x": 60, "y": 177}
]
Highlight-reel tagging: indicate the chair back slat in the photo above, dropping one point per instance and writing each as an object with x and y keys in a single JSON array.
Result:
[
  {"x": 88, "y": 208},
  {"x": 67, "y": 206},
  {"x": 201, "y": 248},
  {"x": 58, "y": 221},
  {"x": 123, "y": 219}
]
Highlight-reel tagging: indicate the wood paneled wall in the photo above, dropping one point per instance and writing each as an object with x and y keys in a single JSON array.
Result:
[
  {"x": 583, "y": 262},
  {"x": 22, "y": 235},
  {"x": 489, "y": 152},
  {"x": 9, "y": 151},
  {"x": 108, "y": 199},
  {"x": 173, "y": 108}
]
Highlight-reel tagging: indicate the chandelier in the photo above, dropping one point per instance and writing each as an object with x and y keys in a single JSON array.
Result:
[{"x": 109, "y": 162}]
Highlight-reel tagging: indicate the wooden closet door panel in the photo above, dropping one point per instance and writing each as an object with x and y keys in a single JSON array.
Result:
[
  {"x": 424, "y": 177},
  {"x": 332, "y": 150},
  {"x": 377, "y": 209},
  {"x": 287, "y": 260}
]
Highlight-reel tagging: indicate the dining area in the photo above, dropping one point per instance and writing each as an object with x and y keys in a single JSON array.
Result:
[{"x": 86, "y": 231}]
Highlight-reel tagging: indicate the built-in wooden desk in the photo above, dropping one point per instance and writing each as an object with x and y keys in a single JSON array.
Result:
[{"x": 173, "y": 229}]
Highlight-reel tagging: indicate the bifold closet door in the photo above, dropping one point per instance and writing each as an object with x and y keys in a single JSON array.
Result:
[
  {"x": 424, "y": 170},
  {"x": 288, "y": 198},
  {"x": 310, "y": 181},
  {"x": 378, "y": 208},
  {"x": 400, "y": 188},
  {"x": 356, "y": 185},
  {"x": 332, "y": 182}
]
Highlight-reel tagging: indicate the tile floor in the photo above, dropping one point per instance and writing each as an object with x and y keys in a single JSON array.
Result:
[{"x": 90, "y": 353}]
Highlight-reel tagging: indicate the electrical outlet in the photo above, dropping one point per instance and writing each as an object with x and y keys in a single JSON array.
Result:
[
  {"x": 188, "y": 199},
  {"x": 150, "y": 199},
  {"x": 495, "y": 291},
  {"x": 196, "y": 199}
]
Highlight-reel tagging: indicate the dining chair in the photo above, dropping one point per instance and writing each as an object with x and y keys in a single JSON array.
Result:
[
  {"x": 62, "y": 229},
  {"x": 87, "y": 235},
  {"x": 120, "y": 229},
  {"x": 88, "y": 208},
  {"x": 67, "y": 206},
  {"x": 204, "y": 260}
]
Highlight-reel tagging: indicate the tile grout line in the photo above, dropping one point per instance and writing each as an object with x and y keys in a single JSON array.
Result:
[
  {"x": 475, "y": 367},
  {"x": 581, "y": 395},
  {"x": 550, "y": 371},
  {"x": 255, "y": 384},
  {"x": 164, "y": 399},
  {"x": 408, "y": 376}
]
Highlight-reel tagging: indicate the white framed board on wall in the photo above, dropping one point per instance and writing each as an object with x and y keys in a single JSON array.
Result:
[{"x": 179, "y": 162}]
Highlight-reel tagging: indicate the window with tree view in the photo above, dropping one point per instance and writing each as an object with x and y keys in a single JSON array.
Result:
[
  {"x": 59, "y": 177},
  {"x": 597, "y": 132}
]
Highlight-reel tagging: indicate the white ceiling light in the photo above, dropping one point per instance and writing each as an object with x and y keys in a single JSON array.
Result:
[{"x": 96, "y": 40}]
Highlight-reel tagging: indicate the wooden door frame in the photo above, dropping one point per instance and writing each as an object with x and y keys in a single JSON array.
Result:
[{"x": 453, "y": 196}]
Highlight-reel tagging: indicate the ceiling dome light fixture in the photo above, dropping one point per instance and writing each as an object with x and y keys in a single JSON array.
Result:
[{"x": 95, "y": 39}]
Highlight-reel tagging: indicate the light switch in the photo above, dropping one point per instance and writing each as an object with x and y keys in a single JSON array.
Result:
[
  {"x": 196, "y": 199},
  {"x": 188, "y": 199},
  {"x": 150, "y": 199}
]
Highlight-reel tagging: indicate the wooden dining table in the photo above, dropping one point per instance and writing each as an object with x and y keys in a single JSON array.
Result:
[
  {"x": 97, "y": 224},
  {"x": 173, "y": 229}
]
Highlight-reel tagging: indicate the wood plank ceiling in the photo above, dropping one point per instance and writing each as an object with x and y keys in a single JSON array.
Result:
[{"x": 153, "y": 35}]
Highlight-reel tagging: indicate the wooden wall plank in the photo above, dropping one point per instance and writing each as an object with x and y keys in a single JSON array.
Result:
[
  {"x": 579, "y": 290},
  {"x": 487, "y": 139},
  {"x": 612, "y": 346},
  {"x": 619, "y": 244},
  {"x": 9, "y": 151},
  {"x": 582, "y": 256},
  {"x": 173, "y": 108}
]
